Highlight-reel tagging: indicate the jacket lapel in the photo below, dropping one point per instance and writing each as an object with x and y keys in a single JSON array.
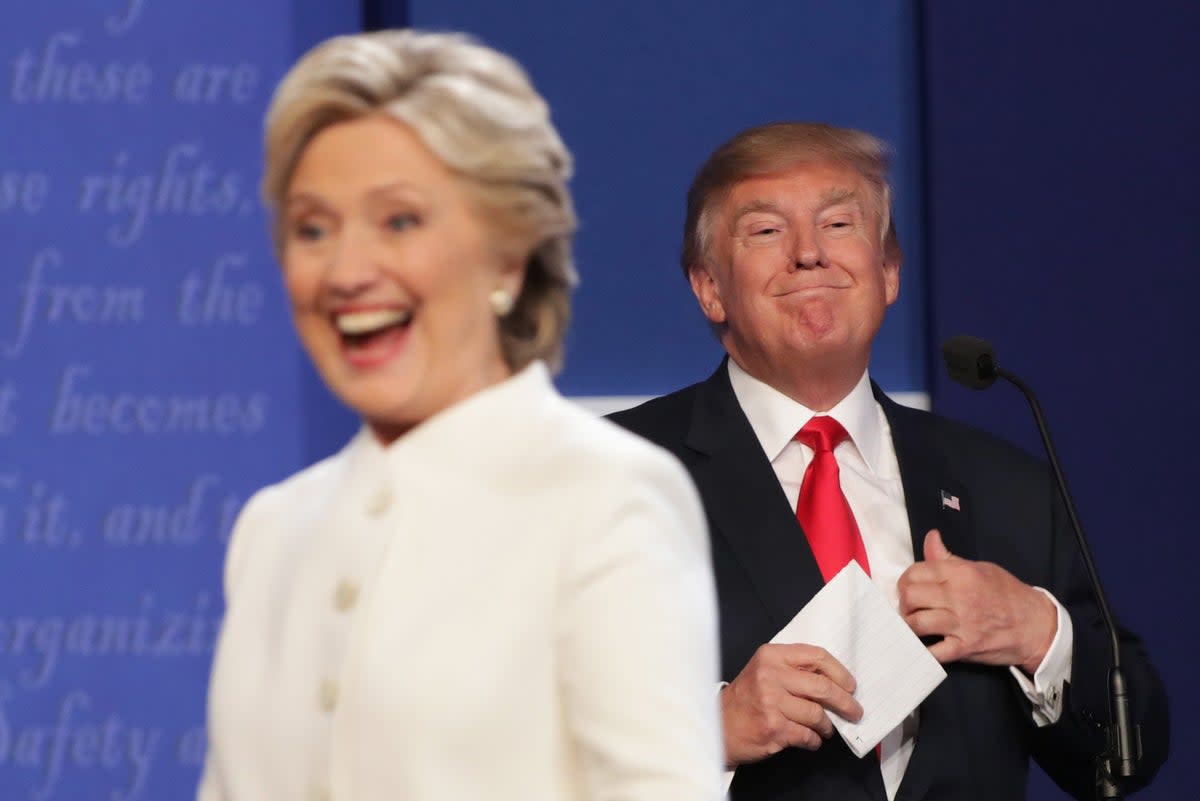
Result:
[
  {"x": 746, "y": 505},
  {"x": 934, "y": 499}
]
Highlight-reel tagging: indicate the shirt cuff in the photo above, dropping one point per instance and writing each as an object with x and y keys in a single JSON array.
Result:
[
  {"x": 727, "y": 779},
  {"x": 1045, "y": 689}
]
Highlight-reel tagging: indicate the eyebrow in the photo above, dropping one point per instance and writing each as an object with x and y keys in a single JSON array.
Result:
[
  {"x": 753, "y": 206},
  {"x": 838, "y": 195},
  {"x": 373, "y": 194},
  {"x": 301, "y": 199},
  {"x": 831, "y": 197},
  {"x": 389, "y": 188}
]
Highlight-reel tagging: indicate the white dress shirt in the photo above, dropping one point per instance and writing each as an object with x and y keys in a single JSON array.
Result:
[
  {"x": 871, "y": 482},
  {"x": 512, "y": 601}
]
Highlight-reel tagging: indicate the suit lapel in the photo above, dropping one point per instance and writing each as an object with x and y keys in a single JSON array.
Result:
[
  {"x": 934, "y": 499},
  {"x": 745, "y": 503}
]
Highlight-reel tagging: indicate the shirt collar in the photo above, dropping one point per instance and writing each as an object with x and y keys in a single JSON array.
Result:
[{"x": 775, "y": 418}]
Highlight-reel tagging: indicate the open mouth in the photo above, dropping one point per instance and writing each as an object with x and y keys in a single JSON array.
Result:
[{"x": 373, "y": 335}]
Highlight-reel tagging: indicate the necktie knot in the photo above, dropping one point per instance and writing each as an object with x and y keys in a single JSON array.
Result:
[{"x": 822, "y": 434}]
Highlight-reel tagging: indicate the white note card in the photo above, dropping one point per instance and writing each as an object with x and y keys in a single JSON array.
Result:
[{"x": 852, "y": 620}]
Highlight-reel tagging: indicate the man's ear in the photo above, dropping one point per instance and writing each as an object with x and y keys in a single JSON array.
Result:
[
  {"x": 891, "y": 277},
  {"x": 708, "y": 295}
]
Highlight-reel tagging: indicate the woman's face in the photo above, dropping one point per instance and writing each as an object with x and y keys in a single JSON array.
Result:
[{"x": 388, "y": 266}]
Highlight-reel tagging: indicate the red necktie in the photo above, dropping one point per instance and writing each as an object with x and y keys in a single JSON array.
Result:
[{"x": 822, "y": 509}]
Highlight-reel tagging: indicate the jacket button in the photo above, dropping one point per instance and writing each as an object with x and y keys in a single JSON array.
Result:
[
  {"x": 379, "y": 502},
  {"x": 327, "y": 695},
  {"x": 345, "y": 596}
]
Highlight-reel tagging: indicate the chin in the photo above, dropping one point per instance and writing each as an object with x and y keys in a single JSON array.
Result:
[
  {"x": 392, "y": 406},
  {"x": 816, "y": 343}
]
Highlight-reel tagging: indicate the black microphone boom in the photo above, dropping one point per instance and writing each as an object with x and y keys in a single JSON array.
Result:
[{"x": 971, "y": 361}]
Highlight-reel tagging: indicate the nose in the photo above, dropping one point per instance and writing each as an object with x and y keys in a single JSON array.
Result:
[
  {"x": 807, "y": 253},
  {"x": 351, "y": 267}
]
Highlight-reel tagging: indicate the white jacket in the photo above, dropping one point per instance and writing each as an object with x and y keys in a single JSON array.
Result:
[{"x": 513, "y": 601}]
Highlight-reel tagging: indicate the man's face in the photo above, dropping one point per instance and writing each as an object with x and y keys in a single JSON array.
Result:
[{"x": 796, "y": 274}]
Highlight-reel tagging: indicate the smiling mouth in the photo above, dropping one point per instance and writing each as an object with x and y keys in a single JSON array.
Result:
[
  {"x": 800, "y": 290},
  {"x": 371, "y": 336}
]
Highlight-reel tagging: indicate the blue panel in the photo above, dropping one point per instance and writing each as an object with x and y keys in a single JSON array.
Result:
[
  {"x": 1063, "y": 188},
  {"x": 149, "y": 379},
  {"x": 642, "y": 92},
  {"x": 379, "y": 14}
]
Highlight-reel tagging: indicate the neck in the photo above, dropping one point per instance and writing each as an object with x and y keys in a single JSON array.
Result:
[
  {"x": 816, "y": 386},
  {"x": 389, "y": 429}
]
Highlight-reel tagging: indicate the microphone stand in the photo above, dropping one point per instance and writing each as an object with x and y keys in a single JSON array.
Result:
[{"x": 1120, "y": 759}]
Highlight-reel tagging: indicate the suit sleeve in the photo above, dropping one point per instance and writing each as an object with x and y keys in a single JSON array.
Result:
[
  {"x": 1066, "y": 749},
  {"x": 637, "y": 641}
]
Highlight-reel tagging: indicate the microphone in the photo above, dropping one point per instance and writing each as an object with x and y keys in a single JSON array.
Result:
[{"x": 971, "y": 361}]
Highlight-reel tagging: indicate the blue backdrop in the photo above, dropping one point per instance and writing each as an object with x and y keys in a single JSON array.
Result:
[
  {"x": 1061, "y": 174},
  {"x": 149, "y": 379},
  {"x": 148, "y": 376}
]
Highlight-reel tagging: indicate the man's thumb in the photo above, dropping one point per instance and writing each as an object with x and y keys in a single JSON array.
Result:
[{"x": 935, "y": 549}]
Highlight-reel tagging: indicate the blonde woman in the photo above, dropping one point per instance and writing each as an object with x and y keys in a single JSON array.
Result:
[{"x": 487, "y": 594}]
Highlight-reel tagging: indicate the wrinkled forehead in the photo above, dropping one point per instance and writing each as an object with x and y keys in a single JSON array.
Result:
[{"x": 808, "y": 185}]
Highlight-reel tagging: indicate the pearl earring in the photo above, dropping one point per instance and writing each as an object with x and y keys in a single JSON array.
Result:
[{"x": 501, "y": 301}]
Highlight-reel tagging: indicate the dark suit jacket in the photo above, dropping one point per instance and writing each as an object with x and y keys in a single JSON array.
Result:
[{"x": 976, "y": 731}]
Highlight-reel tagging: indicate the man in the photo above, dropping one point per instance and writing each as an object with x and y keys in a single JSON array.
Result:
[{"x": 804, "y": 464}]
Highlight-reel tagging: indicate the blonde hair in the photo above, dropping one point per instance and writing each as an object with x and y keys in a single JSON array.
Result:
[
  {"x": 776, "y": 146},
  {"x": 476, "y": 109}
]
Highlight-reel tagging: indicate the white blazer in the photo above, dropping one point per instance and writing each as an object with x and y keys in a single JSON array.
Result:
[{"x": 513, "y": 601}]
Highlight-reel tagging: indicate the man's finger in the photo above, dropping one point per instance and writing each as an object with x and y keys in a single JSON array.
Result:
[
  {"x": 800, "y": 736},
  {"x": 935, "y": 549},
  {"x": 923, "y": 595},
  {"x": 926, "y": 573},
  {"x": 817, "y": 660},
  {"x": 820, "y": 689},
  {"x": 932, "y": 622},
  {"x": 807, "y": 713},
  {"x": 948, "y": 650}
]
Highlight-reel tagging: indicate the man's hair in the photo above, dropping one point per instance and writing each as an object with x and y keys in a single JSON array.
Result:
[
  {"x": 476, "y": 109},
  {"x": 777, "y": 146}
]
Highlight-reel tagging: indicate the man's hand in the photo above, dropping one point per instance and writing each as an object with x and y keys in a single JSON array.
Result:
[
  {"x": 983, "y": 613},
  {"x": 780, "y": 699}
]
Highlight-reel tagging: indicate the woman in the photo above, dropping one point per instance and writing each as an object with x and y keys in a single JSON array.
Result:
[{"x": 488, "y": 593}]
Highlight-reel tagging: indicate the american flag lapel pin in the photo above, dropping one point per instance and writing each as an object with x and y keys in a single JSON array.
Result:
[{"x": 950, "y": 501}]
